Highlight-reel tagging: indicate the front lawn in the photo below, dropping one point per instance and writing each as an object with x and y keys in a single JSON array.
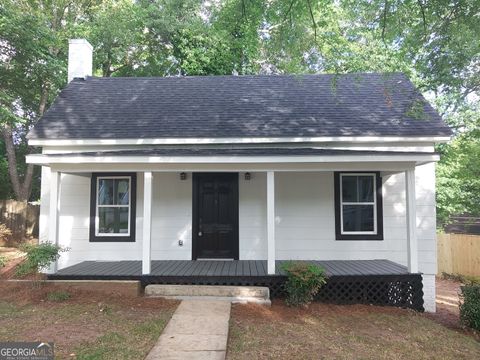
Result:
[
  {"x": 343, "y": 332},
  {"x": 83, "y": 325}
]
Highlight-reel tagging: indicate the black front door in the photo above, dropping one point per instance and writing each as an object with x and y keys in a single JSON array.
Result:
[{"x": 215, "y": 216}]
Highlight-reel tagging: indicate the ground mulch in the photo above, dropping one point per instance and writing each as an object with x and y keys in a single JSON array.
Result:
[
  {"x": 447, "y": 302},
  {"x": 327, "y": 331}
]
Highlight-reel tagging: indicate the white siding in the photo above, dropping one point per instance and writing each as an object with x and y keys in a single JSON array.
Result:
[
  {"x": 306, "y": 221},
  {"x": 74, "y": 222},
  {"x": 253, "y": 217},
  {"x": 171, "y": 217}
]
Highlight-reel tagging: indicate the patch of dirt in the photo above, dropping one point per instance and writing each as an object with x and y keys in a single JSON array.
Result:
[
  {"x": 325, "y": 331},
  {"x": 24, "y": 294},
  {"x": 26, "y": 314},
  {"x": 279, "y": 311},
  {"x": 447, "y": 301}
]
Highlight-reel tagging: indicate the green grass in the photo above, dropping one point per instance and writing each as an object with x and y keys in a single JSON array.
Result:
[
  {"x": 132, "y": 344},
  {"x": 7, "y": 309},
  {"x": 58, "y": 296}
]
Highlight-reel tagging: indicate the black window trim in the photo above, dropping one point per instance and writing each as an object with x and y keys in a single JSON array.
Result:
[
  {"x": 93, "y": 210},
  {"x": 338, "y": 225}
]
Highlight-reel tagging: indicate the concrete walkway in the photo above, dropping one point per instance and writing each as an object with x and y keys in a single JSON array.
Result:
[{"x": 197, "y": 330}]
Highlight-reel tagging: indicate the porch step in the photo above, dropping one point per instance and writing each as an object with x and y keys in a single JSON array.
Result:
[{"x": 235, "y": 294}]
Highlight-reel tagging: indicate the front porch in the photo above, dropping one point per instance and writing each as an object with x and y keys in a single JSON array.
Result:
[
  {"x": 380, "y": 282},
  {"x": 184, "y": 206}
]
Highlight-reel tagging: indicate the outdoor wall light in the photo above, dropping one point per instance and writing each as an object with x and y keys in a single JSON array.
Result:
[
  {"x": 248, "y": 176},
  {"x": 183, "y": 176}
]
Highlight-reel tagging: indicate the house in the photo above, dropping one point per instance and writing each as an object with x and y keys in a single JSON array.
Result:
[{"x": 218, "y": 179}]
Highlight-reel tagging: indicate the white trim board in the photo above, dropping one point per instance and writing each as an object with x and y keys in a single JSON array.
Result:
[
  {"x": 238, "y": 140},
  {"x": 391, "y": 167},
  {"x": 43, "y": 159}
]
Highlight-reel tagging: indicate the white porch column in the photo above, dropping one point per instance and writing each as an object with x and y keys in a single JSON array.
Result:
[
  {"x": 271, "y": 222},
  {"x": 55, "y": 178},
  {"x": 147, "y": 223},
  {"x": 411, "y": 214}
]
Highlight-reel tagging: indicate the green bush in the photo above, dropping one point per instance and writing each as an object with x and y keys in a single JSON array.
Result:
[
  {"x": 470, "y": 306},
  {"x": 3, "y": 261},
  {"x": 303, "y": 282},
  {"x": 38, "y": 257},
  {"x": 58, "y": 296}
]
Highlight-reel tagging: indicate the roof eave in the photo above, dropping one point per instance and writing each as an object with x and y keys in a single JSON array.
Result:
[{"x": 240, "y": 140}]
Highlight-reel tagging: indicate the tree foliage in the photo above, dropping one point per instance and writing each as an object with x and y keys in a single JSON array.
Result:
[{"x": 458, "y": 173}]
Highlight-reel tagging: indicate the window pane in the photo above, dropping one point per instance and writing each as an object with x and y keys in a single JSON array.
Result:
[
  {"x": 122, "y": 225},
  {"x": 112, "y": 220},
  {"x": 122, "y": 191},
  {"x": 105, "y": 191},
  {"x": 106, "y": 220},
  {"x": 365, "y": 189},
  {"x": 358, "y": 218},
  {"x": 349, "y": 188}
]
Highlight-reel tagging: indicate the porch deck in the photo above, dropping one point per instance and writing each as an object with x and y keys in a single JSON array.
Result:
[
  {"x": 380, "y": 282},
  {"x": 207, "y": 268}
]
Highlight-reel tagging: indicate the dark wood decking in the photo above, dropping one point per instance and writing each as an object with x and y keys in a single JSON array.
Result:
[{"x": 242, "y": 268}]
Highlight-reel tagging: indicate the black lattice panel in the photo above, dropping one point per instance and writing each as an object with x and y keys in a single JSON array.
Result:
[
  {"x": 404, "y": 291},
  {"x": 394, "y": 290}
]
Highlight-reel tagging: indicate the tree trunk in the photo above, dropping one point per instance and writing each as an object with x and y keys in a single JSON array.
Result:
[{"x": 22, "y": 189}]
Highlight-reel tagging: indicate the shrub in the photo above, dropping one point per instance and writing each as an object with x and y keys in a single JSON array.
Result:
[
  {"x": 58, "y": 296},
  {"x": 303, "y": 282},
  {"x": 470, "y": 306},
  {"x": 5, "y": 233},
  {"x": 3, "y": 261},
  {"x": 38, "y": 257}
]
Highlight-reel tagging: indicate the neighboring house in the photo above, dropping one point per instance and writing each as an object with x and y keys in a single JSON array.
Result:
[{"x": 336, "y": 169}]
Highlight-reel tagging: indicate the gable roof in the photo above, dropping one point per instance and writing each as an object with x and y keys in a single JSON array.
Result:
[{"x": 240, "y": 106}]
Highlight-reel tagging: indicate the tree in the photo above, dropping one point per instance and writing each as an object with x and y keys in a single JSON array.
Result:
[
  {"x": 458, "y": 173},
  {"x": 436, "y": 43},
  {"x": 33, "y": 60}
]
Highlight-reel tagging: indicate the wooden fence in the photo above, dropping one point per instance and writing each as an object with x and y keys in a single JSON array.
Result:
[
  {"x": 458, "y": 254},
  {"x": 21, "y": 218}
]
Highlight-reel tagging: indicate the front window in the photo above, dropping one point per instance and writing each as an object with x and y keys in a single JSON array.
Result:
[
  {"x": 358, "y": 203},
  {"x": 113, "y": 207},
  {"x": 358, "y": 206}
]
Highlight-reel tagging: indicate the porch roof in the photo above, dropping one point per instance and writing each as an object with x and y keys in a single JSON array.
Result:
[{"x": 197, "y": 155}]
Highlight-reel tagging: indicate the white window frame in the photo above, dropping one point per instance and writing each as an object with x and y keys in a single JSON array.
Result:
[
  {"x": 97, "y": 206},
  {"x": 374, "y": 203}
]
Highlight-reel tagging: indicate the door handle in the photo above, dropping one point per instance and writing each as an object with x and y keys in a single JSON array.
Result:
[{"x": 200, "y": 233}]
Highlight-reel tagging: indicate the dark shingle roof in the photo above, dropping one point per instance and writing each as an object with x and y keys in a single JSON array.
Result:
[
  {"x": 233, "y": 152},
  {"x": 240, "y": 106}
]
